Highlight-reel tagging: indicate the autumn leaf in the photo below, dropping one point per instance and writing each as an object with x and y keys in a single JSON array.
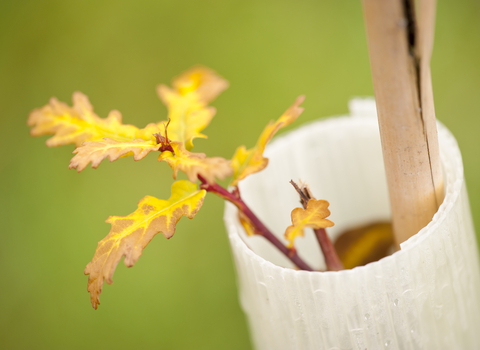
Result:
[
  {"x": 200, "y": 84},
  {"x": 246, "y": 162},
  {"x": 194, "y": 164},
  {"x": 187, "y": 102},
  {"x": 313, "y": 216},
  {"x": 247, "y": 224},
  {"x": 96, "y": 151},
  {"x": 130, "y": 234},
  {"x": 361, "y": 245},
  {"x": 79, "y": 123}
]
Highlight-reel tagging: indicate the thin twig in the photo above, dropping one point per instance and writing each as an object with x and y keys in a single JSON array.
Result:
[
  {"x": 332, "y": 260},
  {"x": 304, "y": 197},
  {"x": 259, "y": 226}
]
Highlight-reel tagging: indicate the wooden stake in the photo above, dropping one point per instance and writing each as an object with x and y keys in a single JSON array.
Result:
[{"x": 400, "y": 51}]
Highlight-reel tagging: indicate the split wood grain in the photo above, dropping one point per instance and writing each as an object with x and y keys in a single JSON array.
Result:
[{"x": 400, "y": 49}]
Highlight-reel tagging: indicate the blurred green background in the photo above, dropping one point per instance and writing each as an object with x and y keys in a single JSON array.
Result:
[{"x": 181, "y": 294}]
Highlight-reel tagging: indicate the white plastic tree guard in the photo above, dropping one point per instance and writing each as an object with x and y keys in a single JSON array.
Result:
[{"x": 425, "y": 296}]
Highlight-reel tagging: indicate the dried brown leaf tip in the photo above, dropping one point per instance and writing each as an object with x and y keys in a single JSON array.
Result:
[{"x": 313, "y": 216}]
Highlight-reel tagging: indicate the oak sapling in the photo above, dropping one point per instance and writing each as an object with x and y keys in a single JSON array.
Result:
[{"x": 188, "y": 114}]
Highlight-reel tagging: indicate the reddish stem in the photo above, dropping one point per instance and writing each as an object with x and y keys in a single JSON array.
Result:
[
  {"x": 259, "y": 226},
  {"x": 332, "y": 260}
]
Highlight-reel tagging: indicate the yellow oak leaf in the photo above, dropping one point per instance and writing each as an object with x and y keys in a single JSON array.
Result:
[
  {"x": 364, "y": 244},
  {"x": 247, "y": 224},
  {"x": 96, "y": 151},
  {"x": 79, "y": 123},
  {"x": 313, "y": 216},
  {"x": 130, "y": 234},
  {"x": 246, "y": 162},
  {"x": 187, "y": 102},
  {"x": 194, "y": 164},
  {"x": 199, "y": 83}
]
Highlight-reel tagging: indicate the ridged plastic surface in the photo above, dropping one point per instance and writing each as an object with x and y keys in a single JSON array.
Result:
[{"x": 425, "y": 296}]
